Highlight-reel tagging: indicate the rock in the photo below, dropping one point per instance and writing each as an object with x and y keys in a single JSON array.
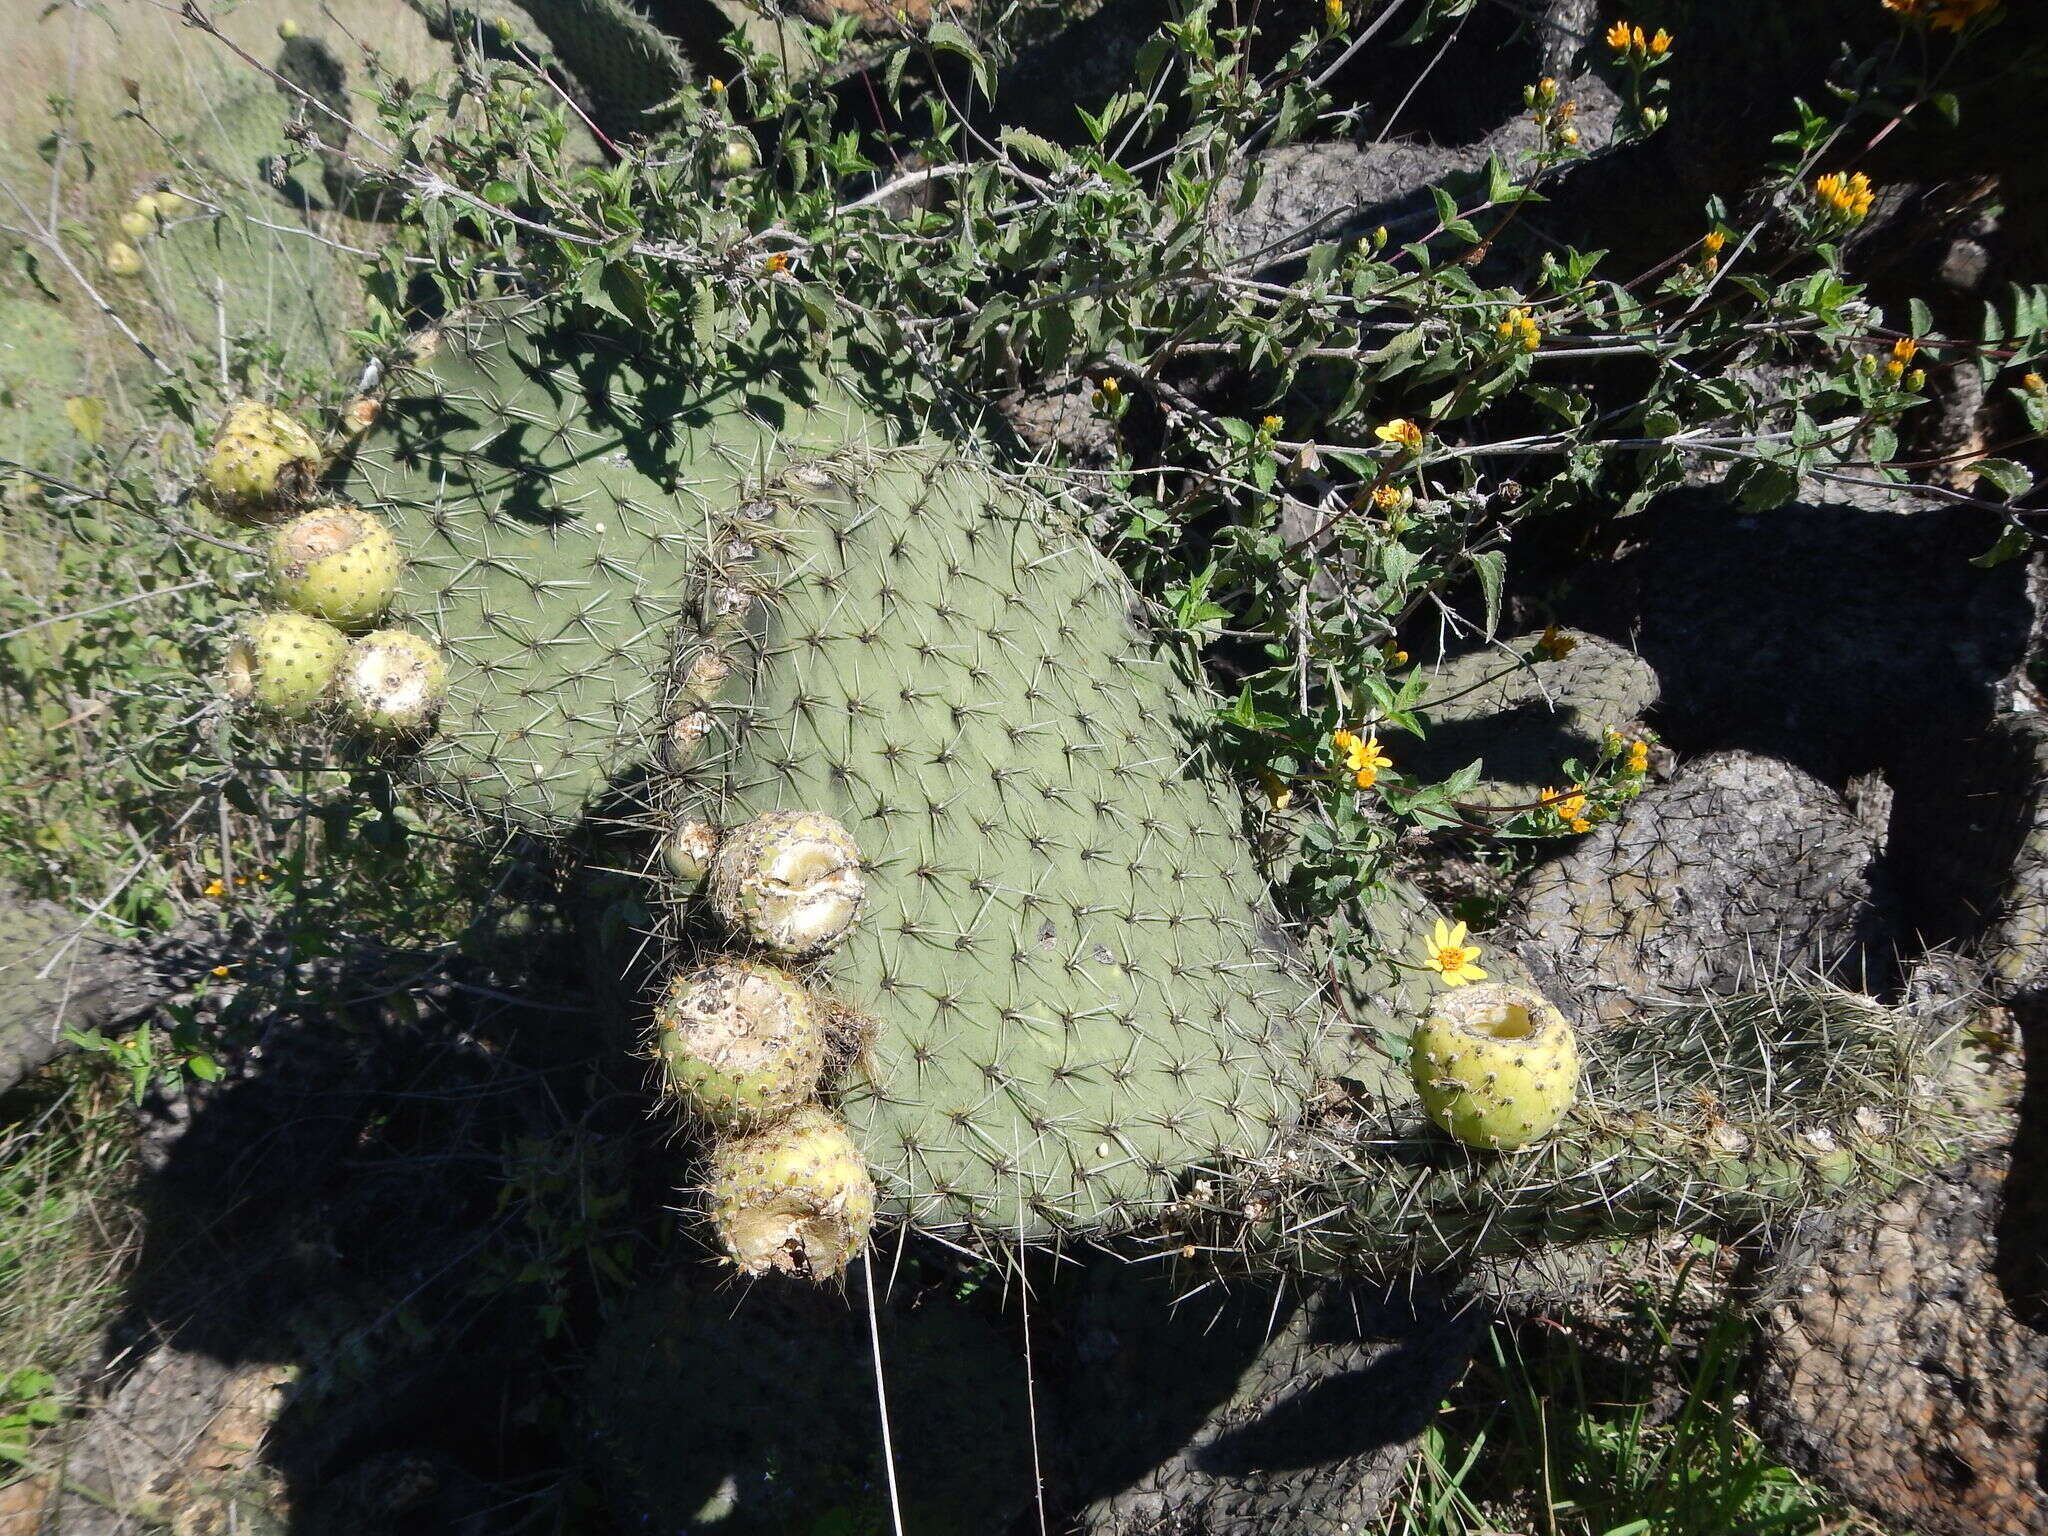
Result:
[
  {"x": 1836, "y": 638},
  {"x": 59, "y": 972},
  {"x": 1741, "y": 867},
  {"x": 1237, "y": 1417},
  {"x": 1973, "y": 853},
  {"x": 1524, "y": 718},
  {"x": 1894, "y": 1371}
]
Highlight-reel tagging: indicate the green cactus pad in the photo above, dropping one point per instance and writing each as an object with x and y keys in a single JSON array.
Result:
[
  {"x": 337, "y": 563},
  {"x": 739, "y": 1044},
  {"x": 1075, "y": 993},
  {"x": 284, "y": 663},
  {"x": 1496, "y": 1066},
  {"x": 554, "y": 489},
  {"x": 793, "y": 1197}
]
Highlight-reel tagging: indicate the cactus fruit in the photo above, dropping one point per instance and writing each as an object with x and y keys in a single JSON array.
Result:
[
  {"x": 794, "y": 1197},
  {"x": 137, "y": 225},
  {"x": 284, "y": 663},
  {"x": 1495, "y": 1065},
  {"x": 392, "y": 683},
  {"x": 789, "y": 881},
  {"x": 338, "y": 564},
  {"x": 261, "y": 461},
  {"x": 687, "y": 852},
  {"x": 740, "y": 1044},
  {"x": 122, "y": 259}
]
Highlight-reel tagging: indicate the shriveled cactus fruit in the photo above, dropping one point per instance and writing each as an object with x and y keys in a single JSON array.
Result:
[
  {"x": 1495, "y": 1065},
  {"x": 263, "y": 463},
  {"x": 392, "y": 683},
  {"x": 340, "y": 564},
  {"x": 739, "y": 1044},
  {"x": 794, "y": 1197},
  {"x": 283, "y": 663},
  {"x": 788, "y": 881}
]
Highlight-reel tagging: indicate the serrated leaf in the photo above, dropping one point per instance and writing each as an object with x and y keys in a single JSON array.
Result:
[
  {"x": 2013, "y": 541},
  {"x": 2010, "y": 478},
  {"x": 1491, "y": 567},
  {"x": 950, "y": 37},
  {"x": 1032, "y": 147}
]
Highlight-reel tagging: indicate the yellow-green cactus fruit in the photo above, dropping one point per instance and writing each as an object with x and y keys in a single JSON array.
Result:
[
  {"x": 741, "y": 1044},
  {"x": 283, "y": 663},
  {"x": 687, "y": 850},
  {"x": 122, "y": 259},
  {"x": 392, "y": 683},
  {"x": 169, "y": 204},
  {"x": 790, "y": 881},
  {"x": 137, "y": 225},
  {"x": 795, "y": 1197},
  {"x": 1496, "y": 1065},
  {"x": 338, "y": 564},
  {"x": 262, "y": 462}
]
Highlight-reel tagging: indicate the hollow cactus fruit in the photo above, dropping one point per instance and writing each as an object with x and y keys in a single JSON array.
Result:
[
  {"x": 1495, "y": 1065},
  {"x": 740, "y": 1044},
  {"x": 392, "y": 683},
  {"x": 788, "y": 881},
  {"x": 284, "y": 663},
  {"x": 679, "y": 596},
  {"x": 338, "y": 564},
  {"x": 794, "y": 1197},
  {"x": 262, "y": 462}
]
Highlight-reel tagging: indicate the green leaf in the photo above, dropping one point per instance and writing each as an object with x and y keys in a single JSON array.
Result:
[
  {"x": 2013, "y": 479},
  {"x": 87, "y": 415},
  {"x": 2013, "y": 541},
  {"x": 1491, "y": 567},
  {"x": 1032, "y": 147},
  {"x": 949, "y": 37}
]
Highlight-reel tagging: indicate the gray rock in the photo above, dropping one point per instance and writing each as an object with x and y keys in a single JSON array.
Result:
[{"x": 1741, "y": 868}]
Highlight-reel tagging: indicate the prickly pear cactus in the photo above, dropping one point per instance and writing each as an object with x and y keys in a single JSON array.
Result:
[{"x": 677, "y": 595}]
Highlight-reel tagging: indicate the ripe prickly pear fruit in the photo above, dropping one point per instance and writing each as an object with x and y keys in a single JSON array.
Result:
[
  {"x": 261, "y": 461},
  {"x": 741, "y": 1044},
  {"x": 688, "y": 850},
  {"x": 137, "y": 225},
  {"x": 338, "y": 564},
  {"x": 392, "y": 683},
  {"x": 795, "y": 1197},
  {"x": 122, "y": 259},
  {"x": 790, "y": 881},
  {"x": 150, "y": 207},
  {"x": 283, "y": 663},
  {"x": 1496, "y": 1065},
  {"x": 170, "y": 204}
]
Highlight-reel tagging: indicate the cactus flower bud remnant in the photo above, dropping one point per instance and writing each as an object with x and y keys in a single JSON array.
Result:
[
  {"x": 392, "y": 683},
  {"x": 283, "y": 663},
  {"x": 688, "y": 849},
  {"x": 338, "y": 564},
  {"x": 790, "y": 881},
  {"x": 740, "y": 1044},
  {"x": 795, "y": 1197},
  {"x": 1496, "y": 1066},
  {"x": 261, "y": 461}
]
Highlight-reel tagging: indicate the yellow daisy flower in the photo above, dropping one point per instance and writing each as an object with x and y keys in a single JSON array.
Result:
[{"x": 1447, "y": 953}]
